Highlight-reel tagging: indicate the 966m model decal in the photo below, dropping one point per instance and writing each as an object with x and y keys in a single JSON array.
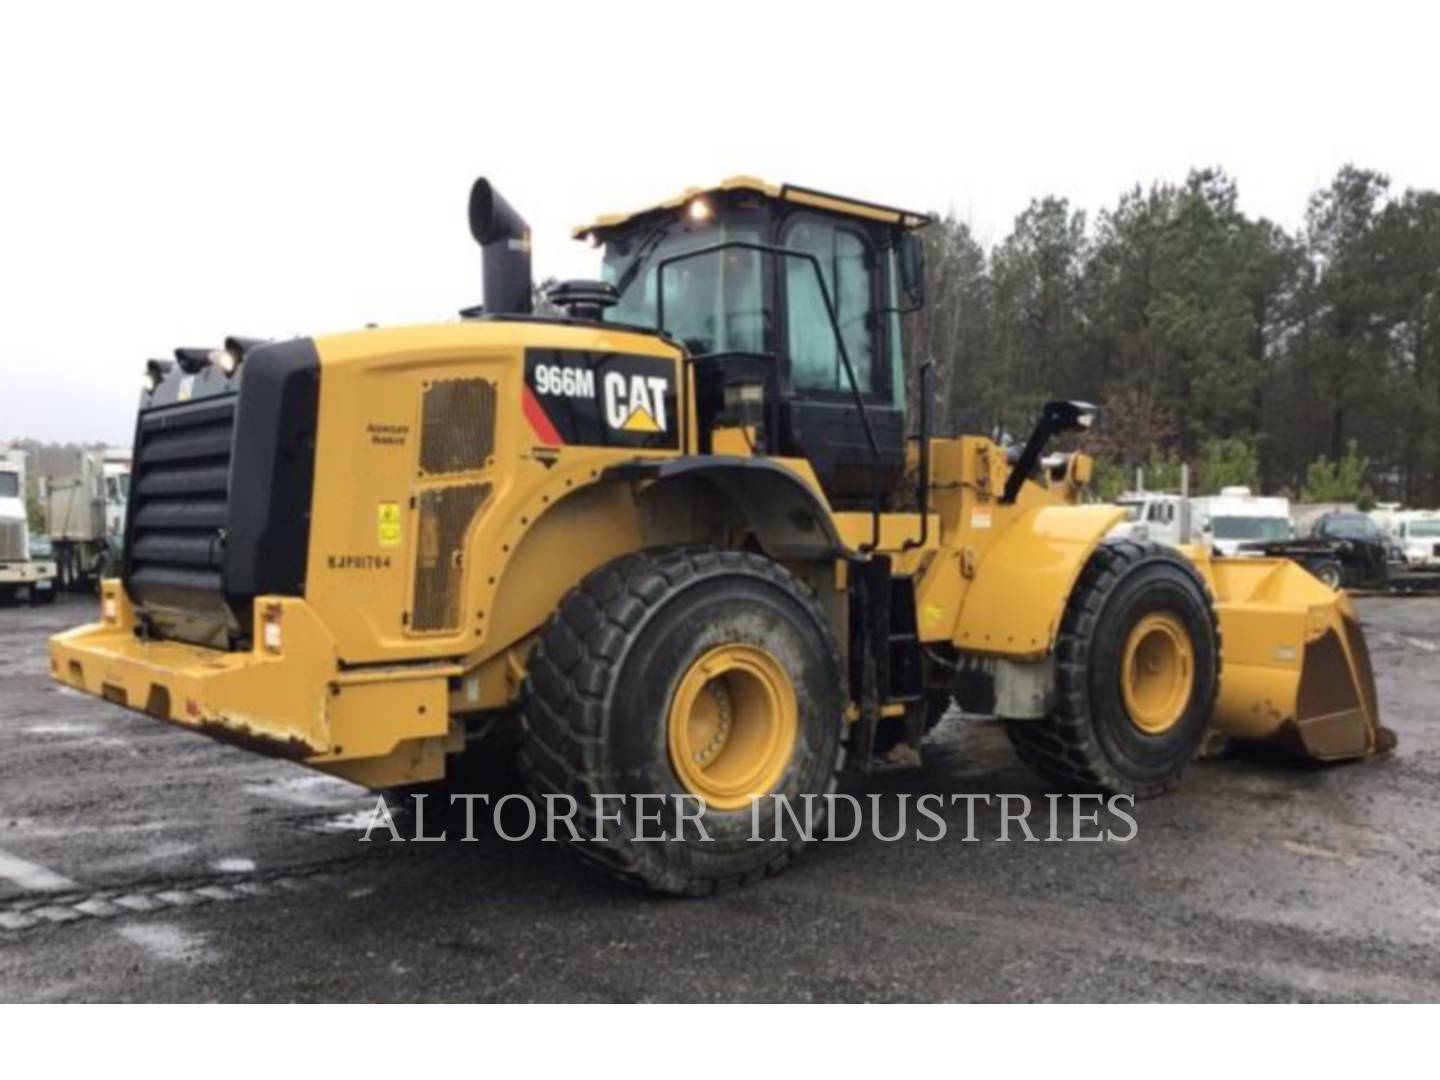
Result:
[{"x": 576, "y": 398}]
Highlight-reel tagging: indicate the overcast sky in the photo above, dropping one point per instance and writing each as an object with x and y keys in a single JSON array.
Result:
[{"x": 168, "y": 176}]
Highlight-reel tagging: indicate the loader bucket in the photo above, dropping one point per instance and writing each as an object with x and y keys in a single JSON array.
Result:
[{"x": 1295, "y": 672}]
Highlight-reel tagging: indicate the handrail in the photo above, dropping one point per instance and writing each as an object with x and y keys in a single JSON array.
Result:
[{"x": 922, "y": 493}]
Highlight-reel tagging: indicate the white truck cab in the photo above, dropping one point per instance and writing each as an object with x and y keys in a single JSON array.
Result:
[
  {"x": 1237, "y": 516},
  {"x": 1149, "y": 515},
  {"x": 21, "y": 576},
  {"x": 1417, "y": 532}
]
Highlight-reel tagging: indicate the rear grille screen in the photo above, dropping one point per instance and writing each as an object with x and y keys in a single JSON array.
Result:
[
  {"x": 457, "y": 426},
  {"x": 179, "y": 506},
  {"x": 445, "y": 517}
]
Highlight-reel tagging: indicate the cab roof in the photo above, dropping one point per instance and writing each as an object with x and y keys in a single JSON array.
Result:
[{"x": 838, "y": 204}]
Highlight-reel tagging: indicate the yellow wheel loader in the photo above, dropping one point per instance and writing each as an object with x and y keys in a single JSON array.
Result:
[{"x": 671, "y": 534}]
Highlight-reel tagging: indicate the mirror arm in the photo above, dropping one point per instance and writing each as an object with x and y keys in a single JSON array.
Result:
[{"x": 1056, "y": 418}]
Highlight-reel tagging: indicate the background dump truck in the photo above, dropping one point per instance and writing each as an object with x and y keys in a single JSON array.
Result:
[
  {"x": 678, "y": 542},
  {"x": 23, "y": 575},
  {"x": 85, "y": 517}
]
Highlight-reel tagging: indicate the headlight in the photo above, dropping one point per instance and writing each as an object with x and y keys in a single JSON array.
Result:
[
  {"x": 155, "y": 372},
  {"x": 225, "y": 360}
]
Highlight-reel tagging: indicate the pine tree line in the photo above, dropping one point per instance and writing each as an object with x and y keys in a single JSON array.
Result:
[{"x": 1295, "y": 362}]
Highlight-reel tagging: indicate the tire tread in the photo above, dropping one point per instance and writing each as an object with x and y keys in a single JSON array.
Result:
[
  {"x": 574, "y": 667},
  {"x": 1064, "y": 747}
]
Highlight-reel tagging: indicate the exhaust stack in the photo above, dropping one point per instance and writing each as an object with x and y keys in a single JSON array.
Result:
[{"x": 504, "y": 240}]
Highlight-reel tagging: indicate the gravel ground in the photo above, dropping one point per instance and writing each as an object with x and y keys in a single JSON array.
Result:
[{"x": 141, "y": 862}]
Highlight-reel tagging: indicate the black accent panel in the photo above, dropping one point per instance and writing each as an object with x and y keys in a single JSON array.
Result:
[
  {"x": 604, "y": 399},
  {"x": 882, "y": 629},
  {"x": 907, "y": 680},
  {"x": 870, "y": 596},
  {"x": 974, "y": 690},
  {"x": 220, "y": 493},
  {"x": 714, "y": 372},
  {"x": 272, "y": 474},
  {"x": 831, "y": 435}
]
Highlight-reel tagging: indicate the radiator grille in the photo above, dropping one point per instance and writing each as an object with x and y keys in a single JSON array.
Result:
[
  {"x": 445, "y": 517},
  {"x": 457, "y": 432},
  {"x": 179, "y": 506},
  {"x": 12, "y": 541}
]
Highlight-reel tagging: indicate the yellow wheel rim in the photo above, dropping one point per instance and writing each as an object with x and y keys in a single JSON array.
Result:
[
  {"x": 1157, "y": 672},
  {"x": 731, "y": 726}
]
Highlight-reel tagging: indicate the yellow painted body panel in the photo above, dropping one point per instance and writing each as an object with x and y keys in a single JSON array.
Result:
[
  {"x": 857, "y": 528},
  {"x": 1024, "y": 577},
  {"x": 360, "y": 580},
  {"x": 992, "y": 578},
  {"x": 545, "y": 523},
  {"x": 295, "y": 703}
]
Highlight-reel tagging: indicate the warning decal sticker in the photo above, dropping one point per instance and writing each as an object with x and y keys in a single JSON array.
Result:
[{"x": 388, "y": 524}]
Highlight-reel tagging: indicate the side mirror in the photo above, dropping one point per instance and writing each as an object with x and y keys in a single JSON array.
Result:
[
  {"x": 1056, "y": 418},
  {"x": 911, "y": 257}
]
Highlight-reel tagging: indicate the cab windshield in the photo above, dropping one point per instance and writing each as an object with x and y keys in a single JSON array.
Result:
[
  {"x": 1250, "y": 528},
  {"x": 9, "y": 485},
  {"x": 1352, "y": 527},
  {"x": 713, "y": 303},
  {"x": 1132, "y": 509},
  {"x": 721, "y": 301},
  {"x": 1426, "y": 530}
]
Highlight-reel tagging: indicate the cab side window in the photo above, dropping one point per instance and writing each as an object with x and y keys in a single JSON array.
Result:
[{"x": 845, "y": 262}]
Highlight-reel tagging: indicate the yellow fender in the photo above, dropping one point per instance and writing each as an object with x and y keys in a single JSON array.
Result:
[{"x": 1024, "y": 577}]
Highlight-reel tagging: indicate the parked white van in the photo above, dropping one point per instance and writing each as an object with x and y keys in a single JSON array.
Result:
[
  {"x": 1417, "y": 532},
  {"x": 1236, "y": 516}
]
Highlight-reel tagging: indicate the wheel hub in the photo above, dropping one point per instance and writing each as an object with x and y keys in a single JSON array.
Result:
[
  {"x": 716, "y": 721},
  {"x": 731, "y": 725},
  {"x": 1157, "y": 672}
]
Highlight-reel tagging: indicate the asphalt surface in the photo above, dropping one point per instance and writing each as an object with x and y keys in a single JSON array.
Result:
[{"x": 141, "y": 862}]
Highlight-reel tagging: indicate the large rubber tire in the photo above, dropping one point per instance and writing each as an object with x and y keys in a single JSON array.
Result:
[
  {"x": 1090, "y": 742},
  {"x": 598, "y": 694}
]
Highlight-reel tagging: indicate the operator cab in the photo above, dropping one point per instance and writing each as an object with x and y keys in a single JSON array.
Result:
[{"x": 789, "y": 303}]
